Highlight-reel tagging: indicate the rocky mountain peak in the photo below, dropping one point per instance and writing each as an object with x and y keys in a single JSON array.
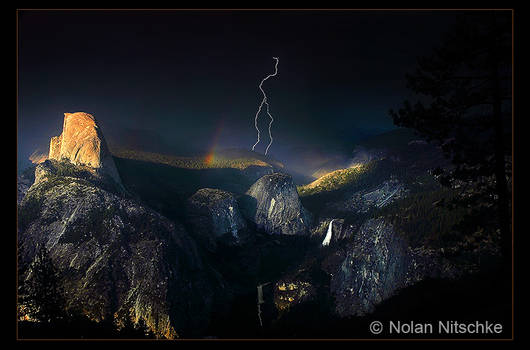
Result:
[
  {"x": 82, "y": 143},
  {"x": 273, "y": 204},
  {"x": 213, "y": 214}
]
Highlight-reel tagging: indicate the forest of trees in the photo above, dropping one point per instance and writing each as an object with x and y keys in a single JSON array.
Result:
[
  {"x": 464, "y": 106},
  {"x": 43, "y": 312}
]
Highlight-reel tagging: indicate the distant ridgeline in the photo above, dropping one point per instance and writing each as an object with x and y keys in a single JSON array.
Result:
[
  {"x": 239, "y": 161},
  {"x": 188, "y": 246}
]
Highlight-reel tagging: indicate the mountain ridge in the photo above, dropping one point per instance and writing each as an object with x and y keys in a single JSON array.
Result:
[{"x": 184, "y": 247}]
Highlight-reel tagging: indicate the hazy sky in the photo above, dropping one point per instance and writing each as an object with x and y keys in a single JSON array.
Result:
[{"x": 192, "y": 76}]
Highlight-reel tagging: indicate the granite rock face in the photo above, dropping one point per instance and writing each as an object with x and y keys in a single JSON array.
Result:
[
  {"x": 375, "y": 266},
  {"x": 377, "y": 263},
  {"x": 273, "y": 204},
  {"x": 82, "y": 143},
  {"x": 116, "y": 258},
  {"x": 213, "y": 214},
  {"x": 367, "y": 199}
]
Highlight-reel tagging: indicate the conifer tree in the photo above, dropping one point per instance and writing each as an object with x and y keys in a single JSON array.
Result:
[
  {"x": 464, "y": 106},
  {"x": 44, "y": 297}
]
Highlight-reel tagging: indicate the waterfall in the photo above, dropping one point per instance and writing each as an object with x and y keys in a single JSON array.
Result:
[
  {"x": 261, "y": 301},
  {"x": 327, "y": 239}
]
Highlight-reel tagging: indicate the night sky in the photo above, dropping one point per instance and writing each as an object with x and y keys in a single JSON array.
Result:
[{"x": 192, "y": 76}]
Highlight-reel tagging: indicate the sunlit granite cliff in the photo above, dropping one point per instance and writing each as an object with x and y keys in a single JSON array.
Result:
[{"x": 82, "y": 143}]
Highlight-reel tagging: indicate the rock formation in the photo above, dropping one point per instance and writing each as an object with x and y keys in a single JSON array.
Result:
[
  {"x": 24, "y": 182},
  {"x": 373, "y": 269},
  {"x": 214, "y": 213},
  {"x": 272, "y": 203},
  {"x": 377, "y": 263},
  {"x": 116, "y": 258},
  {"x": 82, "y": 143}
]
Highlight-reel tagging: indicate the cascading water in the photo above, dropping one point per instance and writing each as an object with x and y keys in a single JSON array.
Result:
[
  {"x": 261, "y": 300},
  {"x": 327, "y": 239}
]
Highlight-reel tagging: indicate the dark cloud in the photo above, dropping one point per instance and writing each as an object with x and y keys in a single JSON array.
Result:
[{"x": 180, "y": 73}]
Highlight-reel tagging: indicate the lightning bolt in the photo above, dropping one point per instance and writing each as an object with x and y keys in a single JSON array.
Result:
[{"x": 265, "y": 102}]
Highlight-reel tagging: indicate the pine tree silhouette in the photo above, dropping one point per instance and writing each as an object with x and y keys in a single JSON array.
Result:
[
  {"x": 44, "y": 296},
  {"x": 464, "y": 106}
]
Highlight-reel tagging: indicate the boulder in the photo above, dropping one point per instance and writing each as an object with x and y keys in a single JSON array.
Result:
[
  {"x": 272, "y": 203},
  {"x": 214, "y": 214}
]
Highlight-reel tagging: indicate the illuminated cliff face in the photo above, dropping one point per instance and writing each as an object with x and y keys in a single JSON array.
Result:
[
  {"x": 79, "y": 141},
  {"x": 82, "y": 143}
]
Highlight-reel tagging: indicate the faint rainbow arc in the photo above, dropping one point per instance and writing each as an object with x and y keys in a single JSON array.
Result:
[{"x": 208, "y": 159}]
